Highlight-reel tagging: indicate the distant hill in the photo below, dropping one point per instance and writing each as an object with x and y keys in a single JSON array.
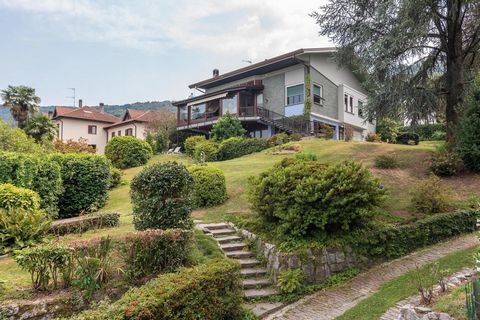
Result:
[{"x": 116, "y": 110}]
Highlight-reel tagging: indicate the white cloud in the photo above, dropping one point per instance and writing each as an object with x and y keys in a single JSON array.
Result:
[{"x": 250, "y": 28}]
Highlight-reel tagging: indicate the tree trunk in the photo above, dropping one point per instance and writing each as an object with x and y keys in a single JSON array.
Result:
[{"x": 455, "y": 68}]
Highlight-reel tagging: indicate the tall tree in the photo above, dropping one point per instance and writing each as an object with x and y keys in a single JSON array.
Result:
[
  {"x": 41, "y": 128},
  {"x": 22, "y": 102},
  {"x": 401, "y": 46}
]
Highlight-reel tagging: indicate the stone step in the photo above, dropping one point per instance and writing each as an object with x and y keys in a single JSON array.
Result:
[
  {"x": 259, "y": 293},
  {"x": 249, "y": 263},
  {"x": 242, "y": 254},
  {"x": 228, "y": 239},
  {"x": 263, "y": 309},
  {"x": 216, "y": 226},
  {"x": 253, "y": 272},
  {"x": 236, "y": 246},
  {"x": 222, "y": 232},
  {"x": 255, "y": 283}
]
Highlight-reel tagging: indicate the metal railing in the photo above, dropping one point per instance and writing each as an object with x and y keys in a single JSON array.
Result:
[{"x": 290, "y": 124}]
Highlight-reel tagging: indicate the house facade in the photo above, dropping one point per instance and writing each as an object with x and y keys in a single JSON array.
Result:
[{"x": 270, "y": 97}]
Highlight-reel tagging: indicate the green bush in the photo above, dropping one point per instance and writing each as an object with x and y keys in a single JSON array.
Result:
[
  {"x": 291, "y": 281},
  {"x": 21, "y": 228},
  {"x": 161, "y": 142},
  {"x": 388, "y": 129},
  {"x": 429, "y": 196},
  {"x": 427, "y": 132},
  {"x": 238, "y": 146},
  {"x": 296, "y": 136},
  {"x": 392, "y": 241},
  {"x": 16, "y": 140},
  {"x": 304, "y": 199},
  {"x": 153, "y": 251},
  {"x": 210, "y": 291},
  {"x": 445, "y": 164},
  {"x": 309, "y": 156},
  {"x": 408, "y": 138},
  {"x": 12, "y": 197},
  {"x": 226, "y": 127},
  {"x": 209, "y": 187},
  {"x": 85, "y": 182},
  {"x": 438, "y": 136},
  {"x": 278, "y": 139},
  {"x": 160, "y": 196},
  {"x": 115, "y": 178},
  {"x": 386, "y": 162},
  {"x": 373, "y": 137},
  {"x": 206, "y": 151},
  {"x": 86, "y": 222},
  {"x": 128, "y": 152},
  {"x": 191, "y": 142}
]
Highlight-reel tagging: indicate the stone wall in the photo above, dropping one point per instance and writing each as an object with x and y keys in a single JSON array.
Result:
[{"x": 317, "y": 264}]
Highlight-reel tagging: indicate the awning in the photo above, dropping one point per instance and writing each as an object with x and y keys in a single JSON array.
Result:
[{"x": 215, "y": 97}]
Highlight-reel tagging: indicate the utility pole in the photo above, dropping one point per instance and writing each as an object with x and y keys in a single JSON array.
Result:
[{"x": 73, "y": 97}]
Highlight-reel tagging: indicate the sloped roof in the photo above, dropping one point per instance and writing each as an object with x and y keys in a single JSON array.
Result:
[
  {"x": 85, "y": 113},
  {"x": 133, "y": 115}
]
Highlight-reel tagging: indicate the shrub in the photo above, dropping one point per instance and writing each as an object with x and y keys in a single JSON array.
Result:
[
  {"x": 388, "y": 129},
  {"x": 408, "y": 138},
  {"x": 289, "y": 146},
  {"x": 161, "y": 142},
  {"x": 438, "y": 136},
  {"x": 128, "y": 152},
  {"x": 21, "y": 228},
  {"x": 12, "y": 197},
  {"x": 392, "y": 241},
  {"x": 290, "y": 281},
  {"x": 304, "y": 199},
  {"x": 278, "y": 139},
  {"x": 326, "y": 131},
  {"x": 373, "y": 137},
  {"x": 227, "y": 126},
  {"x": 85, "y": 183},
  {"x": 16, "y": 140},
  {"x": 160, "y": 196},
  {"x": 427, "y": 131},
  {"x": 296, "y": 136},
  {"x": 153, "y": 251},
  {"x": 191, "y": 142},
  {"x": 87, "y": 222},
  {"x": 309, "y": 156},
  {"x": 429, "y": 196},
  {"x": 209, "y": 187},
  {"x": 237, "y": 147},
  {"x": 71, "y": 146},
  {"x": 445, "y": 163},
  {"x": 115, "y": 178},
  {"x": 206, "y": 151},
  {"x": 386, "y": 162},
  {"x": 209, "y": 291}
]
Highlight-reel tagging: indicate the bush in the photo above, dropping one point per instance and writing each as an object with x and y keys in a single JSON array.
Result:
[
  {"x": 237, "y": 147},
  {"x": 386, "y": 162},
  {"x": 209, "y": 291},
  {"x": 278, "y": 139},
  {"x": 392, "y": 241},
  {"x": 87, "y": 222},
  {"x": 16, "y": 140},
  {"x": 373, "y": 137},
  {"x": 445, "y": 163},
  {"x": 296, "y": 136},
  {"x": 209, "y": 187},
  {"x": 21, "y": 228},
  {"x": 160, "y": 196},
  {"x": 206, "y": 151},
  {"x": 85, "y": 183},
  {"x": 191, "y": 142},
  {"x": 408, "y": 138},
  {"x": 326, "y": 131},
  {"x": 226, "y": 127},
  {"x": 290, "y": 281},
  {"x": 429, "y": 196},
  {"x": 128, "y": 152},
  {"x": 427, "y": 131},
  {"x": 115, "y": 178},
  {"x": 71, "y": 146},
  {"x": 153, "y": 251},
  {"x": 308, "y": 156},
  {"x": 12, "y": 197},
  {"x": 161, "y": 142},
  {"x": 438, "y": 136},
  {"x": 303, "y": 199},
  {"x": 388, "y": 129}
]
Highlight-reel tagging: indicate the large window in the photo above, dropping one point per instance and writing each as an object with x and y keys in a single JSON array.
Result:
[
  {"x": 260, "y": 100},
  {"x": 295, "y": 95},
  {"x": 213, "y": 108},
  {"x": 198, "y": 111},
  {"x": 129, "y": 132},
  {"x": 92, "y": 129},
  {"x": 317, "y": 94},
  {"x": 360, "y": 109},
  {"x": 230, "y": 105},
  {"x": 183, "y": 114},
  {"x": 348, "y": 102}
]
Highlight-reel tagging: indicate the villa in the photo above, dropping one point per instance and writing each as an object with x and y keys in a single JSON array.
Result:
[{"x": 269, "y": 97}]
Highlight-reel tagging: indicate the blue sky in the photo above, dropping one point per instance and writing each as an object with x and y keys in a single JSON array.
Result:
[{"x": 123, "y": 51}]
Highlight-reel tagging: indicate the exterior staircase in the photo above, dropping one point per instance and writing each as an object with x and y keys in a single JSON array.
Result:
[
  {"x": 256, "y": 283},
  {"x": 283, "y": 123}
]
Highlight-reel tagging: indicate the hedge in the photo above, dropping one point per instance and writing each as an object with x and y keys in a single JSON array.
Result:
[
  {"x": 12, "y": 198},
  {"x": 84, "y": 223},
  {"x": 211, "y": 291},
  {"x": 127, "y": 152},
  {"x": 425, "y": 131},
  {"x": 389, "y": 241},
  {"x": 238, "y": 146},
  {"x": 209, "y": 186}
]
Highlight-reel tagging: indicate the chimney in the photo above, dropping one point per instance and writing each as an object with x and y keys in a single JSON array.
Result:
[
  {"x": 80, "y": 103},
  {"x": 216, "y": 73},
  {"x": 101, "y": 107}
]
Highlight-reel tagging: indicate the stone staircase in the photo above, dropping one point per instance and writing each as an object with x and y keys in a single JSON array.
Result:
[{"x": 256, "y": 283}]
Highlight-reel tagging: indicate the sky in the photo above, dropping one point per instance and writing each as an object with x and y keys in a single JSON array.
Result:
[{"x": 123, "y": 51}]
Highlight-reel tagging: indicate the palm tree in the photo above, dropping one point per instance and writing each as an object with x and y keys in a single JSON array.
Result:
[
  {"x": 22, "y": 102},
  {"x": 41, "y": 128}
]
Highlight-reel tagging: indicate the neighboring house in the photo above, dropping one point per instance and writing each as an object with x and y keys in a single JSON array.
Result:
[
  {"x": 267, "y": 96},
  {"x": 134, "y": 123}
]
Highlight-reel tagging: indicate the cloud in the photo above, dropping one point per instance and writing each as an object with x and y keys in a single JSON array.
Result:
[{"x": 251, "y": 28}]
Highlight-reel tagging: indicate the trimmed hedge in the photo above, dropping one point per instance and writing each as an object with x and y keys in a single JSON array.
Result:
[
  {"x": 191, "y": 142},
  {"x": 84, "y": 223},
  {"x": 426, "y": 131},
  {"x": 406, "y": 137},
  {"x": 127, "y": 152},
  {"x": 389, "y": 241},
  {"x": 12, "y": 198},
  {"x": 206, "y": 151},
  {"x": 209, "y": 187},
  {"x": 210, "y": 292},
  {"x": 237, "y": 147}
]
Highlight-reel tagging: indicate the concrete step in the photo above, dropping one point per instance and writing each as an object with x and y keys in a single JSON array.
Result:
[
  {"x": 253, "y": 272},
  {"x": 228, "y": 239},
  {"x": 249, "y": 263},
  {"x": 255, "y": 283},
  {"x": 235, "y": 246},
  {"x": 216, "y": 226},
  {"x": 263, "y": 309},
  {"x": 259, "y": 293},
  {"x": 242, "y": 254},
  {"x": 222, "y": 232}
]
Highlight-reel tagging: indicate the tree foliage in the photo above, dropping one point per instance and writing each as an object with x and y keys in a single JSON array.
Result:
[
  {"x": 41, "y": 128},
  {"x": 22, "y": 102},
  {"x": 227, "y": 126}
]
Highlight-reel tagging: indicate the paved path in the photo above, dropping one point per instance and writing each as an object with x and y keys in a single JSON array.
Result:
[{"x": 331, "y": 303}]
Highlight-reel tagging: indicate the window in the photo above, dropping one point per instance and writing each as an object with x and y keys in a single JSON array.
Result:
[
  {"x": 345, "y": 102},
  {"x": 129, "y": 132},
  {"x": 351, "y": 104},
  {"x": 113, "y": 134},
  {"x": 92, "y": 129},
  {"x": 119, "y": 133},
  {"x": 198, "y": 111},
  {"x": 94, "y": 146},
  {"x": 260, "y": 100},
  {"x": 229, "y": 105},
  {"x": 317, "y": 94},
  {"x": 183, "y": 114},
  {"x": 295, "y": 95},
  {"x": 213, "y": 108},
  {"x": 360, "y": 109},
  {"x": 348, "y": 102}
]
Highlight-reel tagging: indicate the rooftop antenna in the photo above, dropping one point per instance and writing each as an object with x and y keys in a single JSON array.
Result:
[
  {"x": 247, "y": 61},
  {"x": 73, "y": 97}
]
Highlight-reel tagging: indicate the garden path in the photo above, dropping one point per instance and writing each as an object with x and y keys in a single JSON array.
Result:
[{"x": 333, "y": 302}]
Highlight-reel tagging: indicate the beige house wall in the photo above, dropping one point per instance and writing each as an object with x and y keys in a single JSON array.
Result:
[
  {"x": 76, "y": 129},
  {"x": 138, "y": 130}
]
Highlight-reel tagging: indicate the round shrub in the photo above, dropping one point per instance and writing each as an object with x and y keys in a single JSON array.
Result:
[
  {"x": 128, "y": 152},
  {"x": 439, "y": 135},
  {"x": 430, "y": 196},
  {"x": 227, "y": 126},
  {"x": 12, "y": 197},
  {"x": 408, "y": 138},
  {"x": 209, "y": 187},
  {"x": 303, "y": 199},
  {"x": 206, "y": 151},
  {"x": 278, "y": 139},
  {"x": 160, "y": 196},
  {"x": 115, "y": 177},
  {"x": 386, "y": 162},
  {"x": 191, "y": 142},
  {"x": 445, "y": 164},
  {"x": 373, "y": 137},
  {"x": 296, "y": 136}
]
